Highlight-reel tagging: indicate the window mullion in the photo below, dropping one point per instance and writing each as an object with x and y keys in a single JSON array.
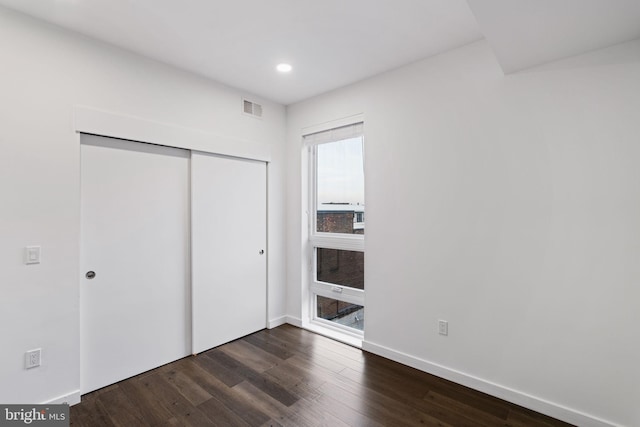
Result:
[
  {"x": 346, "y": 243},
  {"x": 355, "y": 296}
]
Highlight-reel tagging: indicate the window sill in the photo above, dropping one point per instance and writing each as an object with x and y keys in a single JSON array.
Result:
[{"x": 335, "y": 334}]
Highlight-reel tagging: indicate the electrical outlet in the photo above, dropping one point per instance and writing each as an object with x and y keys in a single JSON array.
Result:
[
  {"x": 443, "y": 327},
  {"x": 32, "y": 255},
  {"x": 32, "y": 358}
]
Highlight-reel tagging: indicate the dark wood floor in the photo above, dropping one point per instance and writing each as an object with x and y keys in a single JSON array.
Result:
[{"x": 290, "y": 377}]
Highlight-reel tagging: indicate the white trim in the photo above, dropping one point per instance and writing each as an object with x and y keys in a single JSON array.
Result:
[
  {"x": 345, "y": 242},
  {"x": 312, "y": 136},
  {"x": 333, "y": 333},
  {"x": 338, "y": 335},
  {"x": 312, "y": 203},
  {"x": 345, "y": 121},
  {"x": 339, "y": 292},
  {"x": 341, "y": 336},
  {"x": 72, "y": 398},
  {"x": 348, "y": 332},
  {"x": 294, "y": 321},
  {"x": 514, "y": 396},
  {"x": 104, "y": 123},
  {"x": 274, "y": 323},
  {"x": 352, "y": 131}
]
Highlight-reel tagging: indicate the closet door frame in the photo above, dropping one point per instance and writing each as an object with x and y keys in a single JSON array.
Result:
[{"x": 87, "y": 120}]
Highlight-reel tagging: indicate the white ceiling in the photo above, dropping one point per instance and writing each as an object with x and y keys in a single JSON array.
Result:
[
  {"x": 526, "y": 33},
  {"x": 332, "y": 43}
]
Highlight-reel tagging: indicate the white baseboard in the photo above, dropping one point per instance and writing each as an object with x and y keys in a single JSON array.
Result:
[
  {"x": 274, "y": 323},
  {"x": 334, "y": 334},
  {"x": 294, "y": 321},
  {"x": 70, "y": 398},
  {"x": 519, "y": 398}
]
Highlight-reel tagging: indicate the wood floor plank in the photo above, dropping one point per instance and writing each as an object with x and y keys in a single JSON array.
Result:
[
  {"x": 378, "y": 377},
  {"x": 270, "y": 344},
  {"x": 469, "y": 397},
  {"x": 345, "y": 413},
  {"x": 120, "y": 409},
  {"x": 89, "y": 414},
  {"x": 325, "y": 363},
  {"x": 272, "y": 388},
  {"x": 353, "y": 353},
  {"x": 261, "y": 400},
  {"x": 227, "y": 376},
  {"x": 251, "y": 356},
  {"x": 378, "y": 368},
  {"x": 195, "y": 418},
  {"x": 316, "y": 414},
  {"x": 431, "y": 405},
  {"x": 225, "y": 395},
  {"x": 185, "y": 386},
  {"x": 283, "y": 375},
  {"x": 171, "y": 422},
  {"x": 291, "y": 377},
  {"x": 169, "y": 397},
  {"x": 365, "y": 403},
  {"x": 385, "y": 395},
  {"x": 221, "y": 416},
  {"x": 291, "y": 334},
  {"x": 400, "y": 372},
  {"x": 151, "y": 407},
  {"x": 313, "y": 374},
  {"x": 371, "y": 380},
  {"x": 337, "y": 352},
  {"x": 323, "y": 353}
]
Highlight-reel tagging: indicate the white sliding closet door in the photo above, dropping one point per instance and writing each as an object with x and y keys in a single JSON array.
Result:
[
  {"x": 135, "y": 312},
  {"x": 229, "y": 202}
]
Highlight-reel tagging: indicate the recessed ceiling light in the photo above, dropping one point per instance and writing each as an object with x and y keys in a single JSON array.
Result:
[{"x": 284, "y": 68}]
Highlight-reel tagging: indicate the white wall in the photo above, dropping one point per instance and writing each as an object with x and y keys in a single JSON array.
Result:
[
  {"x": 44, "y": 73},
  {"x": 509, "y": 206}
]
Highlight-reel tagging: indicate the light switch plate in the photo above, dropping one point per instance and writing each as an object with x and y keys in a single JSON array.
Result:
[
  {"x": 443, "y": 327},
  {"x": 32, "y": 255}
]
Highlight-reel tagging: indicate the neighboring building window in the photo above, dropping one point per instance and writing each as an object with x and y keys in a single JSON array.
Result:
[{"x": 337, "y": 229}]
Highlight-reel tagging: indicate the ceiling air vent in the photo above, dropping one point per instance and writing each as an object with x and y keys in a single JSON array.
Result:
[{"x": 251, "y": 108}]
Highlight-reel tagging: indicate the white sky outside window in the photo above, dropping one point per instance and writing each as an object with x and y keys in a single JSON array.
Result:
[{"x": 340, "y": 172}]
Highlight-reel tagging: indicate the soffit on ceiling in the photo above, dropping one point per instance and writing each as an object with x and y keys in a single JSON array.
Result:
[{"x": 527, "y": 33}]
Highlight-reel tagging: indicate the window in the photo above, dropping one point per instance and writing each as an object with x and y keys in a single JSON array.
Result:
[
  {"x": 337, "y": 228},
  {"x": 344, "y": 268},
  {"x": 343, "y": 313}
]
